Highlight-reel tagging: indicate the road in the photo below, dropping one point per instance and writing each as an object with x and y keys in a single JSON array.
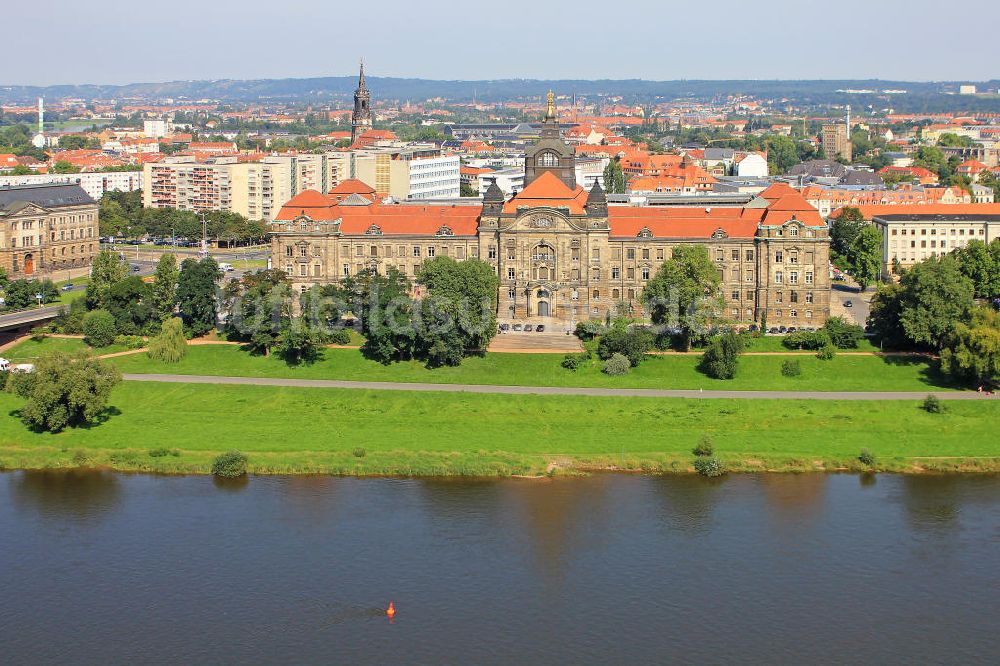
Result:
[
  {"x": 557, "y": 390},
  {"x": 22, "y": 317},
  {"x": 841, "y": 293}
]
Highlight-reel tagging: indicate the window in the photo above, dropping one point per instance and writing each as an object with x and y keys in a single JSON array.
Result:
[
  {"x": 596, "y": 294},
  {"x": 778, "y": 257},
  {"x": 574, "y": 254},
  {"x": 373, "y": 251},
  {"x": 778, "y": 277},
  {"x": 460, "y": 252},
  {"x": 645, "y": 253},
  {"x": 347, "y": 269},
  {"x": 793, "y": 297},
  {"x": 430, "y": 251},
  {"x": 316, "y": 270},
  {"x": 510, "y": 273},
  {"x": 630, "y": 273},
  {"x": 416, "y": 250},
  {"x": 749, "y": 295},
  {"x": 659, "y": 253},
  {"x": 547, "y": 159},
  {"x": 630, "y": 253},
  {"x": 511, "y": 294},
  {"x": 779, "y": 297},
  {"x": 749, "y": 276},
  {"x": 595, "y": 254},
  {"x": 793, "y": 231},
  {"x": 809, "y": 277},
  {"x": 631, "y": 294},
  {"x": 615, "y": 272},
  {"x": 719, "y": 255},
  {"x": 793, "y": 257},
  {"x": 809, "y": 314},
  {"x": 749, "y": 255},
  {"x": 735, "y": 296},
  {"x": 575, "y": 295},
  {"x": 510, "y": 254},
  {"x": 809, "y": 297},
  {"x": 491, "y": 252},
  {"x": 288, "y": 268},
  {"x": 793, "y": 313},
  {"x": 615, "y": 294},
  {"x": 645, "y": 273},
  {"x": 736, "y": 255},
  {"x": 288, "y": 250},
  {"x": 793, "y": 278}
]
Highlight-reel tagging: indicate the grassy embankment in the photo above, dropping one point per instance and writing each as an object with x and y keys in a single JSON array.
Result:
[{"x": 300, "y": 430}]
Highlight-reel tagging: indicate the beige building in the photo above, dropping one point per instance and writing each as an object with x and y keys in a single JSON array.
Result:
[
  {"x": 562, "y": 253},
  {"x": 256, "y": 190},
  {"x": 910, "y": 236},
  {"x": 836, "y": 141},
  {"x": 46, "y": 228},
  {"x": 417, "y": 171}
]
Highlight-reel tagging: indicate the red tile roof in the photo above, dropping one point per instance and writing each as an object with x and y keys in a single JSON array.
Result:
[
  {"x": 548, "y": 190},
  {"x": 683, "y": 222},
  {"x": 928, "y": 209}
]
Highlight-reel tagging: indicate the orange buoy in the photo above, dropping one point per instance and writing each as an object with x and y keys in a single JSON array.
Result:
[{"x": 390, "y": 611}]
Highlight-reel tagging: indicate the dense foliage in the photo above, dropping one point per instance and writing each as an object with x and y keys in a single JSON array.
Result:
[
  {"x": 721, "y": 359},
  {"x": 196, "y": 294},
  {"x": 169, "y": 345},
  {"x": 971, "y": 352},
  {"x": 684, "y": 294},
  {"x": 65, "y": 391}
]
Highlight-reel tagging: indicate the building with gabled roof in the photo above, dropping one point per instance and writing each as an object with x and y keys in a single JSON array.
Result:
[{"x": 562, "y": 252}]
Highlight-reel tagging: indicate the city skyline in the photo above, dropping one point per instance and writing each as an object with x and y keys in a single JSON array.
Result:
[{"x": 199, "y": 41}]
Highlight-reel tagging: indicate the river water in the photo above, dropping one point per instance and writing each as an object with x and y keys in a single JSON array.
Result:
[{"x": 98, "y": 568}]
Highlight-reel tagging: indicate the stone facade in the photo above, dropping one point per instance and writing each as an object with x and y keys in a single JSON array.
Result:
[{"x": 47, "y": 228}]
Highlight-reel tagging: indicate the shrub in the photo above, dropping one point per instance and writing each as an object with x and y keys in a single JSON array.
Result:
[
  {"x": 130, "y": 341},
  {"x": 230, "y": 465},
  {"x": 65, "y": 390},
  {"x": 704, "y": 447},
  {"x": 588, "y": 330},
  {"x": 360, "y": 452},
  {"x": 843, "y": 334},
  {"x": 617, "y": 365},
  {"x": 866, "y": 457},
  {"x": 709, "y": 466},
  {"x": 572, "y": 361},
  {"x": 826, "y": 353},
  {"x": 932, "y": 405},
  {"x": 721, "y": 359},
  {"x": 39, "y": 334},
  {"x": 169, "y": 346},
  {"x": 163, "y": 452},
  {"x": 4, "y": 375},
  {"x": 71, "y": 320},
  {"x": 340, "y": 337},
  {"x": 99, "y": 328},
  {"x": 806, "y": 340},
  {"x": 791, "y": 367},
  {"x": 633, "y": 343}
]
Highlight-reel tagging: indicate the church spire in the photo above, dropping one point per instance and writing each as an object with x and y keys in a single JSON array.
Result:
[{"x": 361, "y": 118}]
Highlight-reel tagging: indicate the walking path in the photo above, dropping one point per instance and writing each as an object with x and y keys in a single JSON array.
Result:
[{"x": 558, "y": 390}]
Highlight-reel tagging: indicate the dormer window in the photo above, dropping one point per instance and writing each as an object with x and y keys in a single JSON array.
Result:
[{"x": 793, "y": 231}]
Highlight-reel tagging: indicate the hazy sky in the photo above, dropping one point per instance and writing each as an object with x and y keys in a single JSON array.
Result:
[{"x": 125, "y": 41}]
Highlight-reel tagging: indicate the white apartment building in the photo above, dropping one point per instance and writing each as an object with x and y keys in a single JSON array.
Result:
[
  {"x": 94, "y": 184},
  {"x": 912, "y": 237},
  {"x": 511, "y": 180},
  {"x": 155, "y": 129},
  {"x": 415, "y": 171}
]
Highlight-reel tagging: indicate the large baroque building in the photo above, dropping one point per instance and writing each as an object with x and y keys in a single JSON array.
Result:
[
  {"x": 561, "y": 252},
  {"x": 46, "y": 228}
]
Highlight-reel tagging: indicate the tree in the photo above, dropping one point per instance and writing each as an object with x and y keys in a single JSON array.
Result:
[
  {"x": 981, "y": 263},
  {"x": 163, "y": 295},
  {"x": 128, "y": 303},
  {"x": 633, "y": 343},
  {"x": 62, "y": 166},
  {"x": 844, "y": 232},
  {"x": 935, "y": 297},
  {"x": 21, "y": 294},
  {"x": 841, "y": 333},
  {"x": 383, "y": 306},
  {"x": 722, "y": 357},
  {"x": 972, "y": 352},
  {"x": 99, "y": 328},
  {"x": 614, "y": 178},
  {"x": 684, "y": 294},
  {"x": 259, "y": 308},
  {"x": 65, "y": 391},
  {"x": 883, "y": 317},
  {"x": 865, "y": 256},
  {"x": 196, "y": 294},
  {"x": 107, "y": 269},
  {"x": 298, "y": 342},
  {"x": 169, "y": 345},
  {"x": 466, "y": 293}
]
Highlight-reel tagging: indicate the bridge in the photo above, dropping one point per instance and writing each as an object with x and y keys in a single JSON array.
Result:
[{"x": 24, "y": 320}]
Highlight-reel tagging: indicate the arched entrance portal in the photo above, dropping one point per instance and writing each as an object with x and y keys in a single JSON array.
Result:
[
  {"x": 29, "y": 264},
  {"x": 543, "y": 308}
]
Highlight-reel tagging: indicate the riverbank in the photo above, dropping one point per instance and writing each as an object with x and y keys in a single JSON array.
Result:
[{"x": 180, "y": 428}]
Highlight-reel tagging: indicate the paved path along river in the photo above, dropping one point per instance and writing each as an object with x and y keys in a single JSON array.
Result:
[{"x": 560, "y": 390}]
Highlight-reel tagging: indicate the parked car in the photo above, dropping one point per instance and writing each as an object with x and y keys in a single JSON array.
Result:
[
  {"x": 136, "y": 268},
  {"x": 504, "y": 327},
  {"x": 7, "y": 366},
  {"x": 67, "y": 287},
  {"x": 848, "y": 304},
  {"x": 540, "y": 328},
  {"x": 528, "y": 328},
  {"x": 226, "y": 268},
  {"x": 517, "y": 327}
]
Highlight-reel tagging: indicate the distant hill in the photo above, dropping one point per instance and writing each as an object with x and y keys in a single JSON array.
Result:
[{"x": 922, "y": 96}]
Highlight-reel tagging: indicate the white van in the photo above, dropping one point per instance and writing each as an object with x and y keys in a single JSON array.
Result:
[
  {"x": 4, "y": 365},
  {"x": 226, "y": 268}
]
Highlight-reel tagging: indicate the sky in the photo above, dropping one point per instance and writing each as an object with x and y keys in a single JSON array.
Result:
[{"x": 132, "y": 41}]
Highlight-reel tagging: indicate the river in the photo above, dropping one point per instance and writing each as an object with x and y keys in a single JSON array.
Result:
[{"x": 99, "y": 568}]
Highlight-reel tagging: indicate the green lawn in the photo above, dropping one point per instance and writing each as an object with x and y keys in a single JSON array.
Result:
[
  {"x": 303, "y": 430},
  {"x": 844, "y": 373},
  {"x": 773, "y": 343},
  {"x": 31, "y": 349}
]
